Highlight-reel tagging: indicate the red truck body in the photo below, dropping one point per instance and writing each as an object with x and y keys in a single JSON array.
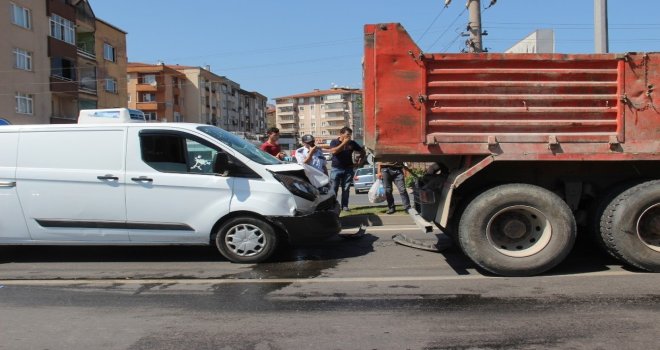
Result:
[
  {"x": 530, "y": 146},
  {"x": 513, "y": 106}
]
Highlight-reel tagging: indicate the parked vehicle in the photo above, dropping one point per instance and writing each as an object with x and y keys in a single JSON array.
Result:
[
  {"x": 528, "y": 146},
  {"x": 363, "y": 179},
  {"x": 156, "y": 184}
]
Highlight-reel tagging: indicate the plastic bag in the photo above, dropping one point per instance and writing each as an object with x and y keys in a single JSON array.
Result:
[{"x": 377, "y": 192}]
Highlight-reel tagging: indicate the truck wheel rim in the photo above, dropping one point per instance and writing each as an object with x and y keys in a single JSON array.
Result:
[
  {"x": 519, "y": 231},
  {"x": 648, "y": 227},
  {"x": 245, "y": 240}
]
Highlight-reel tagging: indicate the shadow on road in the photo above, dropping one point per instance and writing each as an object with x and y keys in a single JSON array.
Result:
[{"x": 332, "y": 249}]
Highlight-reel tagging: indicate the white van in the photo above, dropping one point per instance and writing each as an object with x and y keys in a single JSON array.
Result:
[{"x": 156, "y": 184}]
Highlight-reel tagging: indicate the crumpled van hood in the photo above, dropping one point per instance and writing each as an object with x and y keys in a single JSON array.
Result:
[{"x": 316, "y": 177}]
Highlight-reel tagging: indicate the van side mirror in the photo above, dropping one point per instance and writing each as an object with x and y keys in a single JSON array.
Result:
[{"x": 221, "y": 164}]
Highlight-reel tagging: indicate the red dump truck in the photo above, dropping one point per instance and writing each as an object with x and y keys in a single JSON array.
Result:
[{"x": 530, "y": 150}]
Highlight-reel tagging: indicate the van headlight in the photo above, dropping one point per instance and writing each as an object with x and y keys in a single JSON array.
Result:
[{"x": 298, "y": 187}]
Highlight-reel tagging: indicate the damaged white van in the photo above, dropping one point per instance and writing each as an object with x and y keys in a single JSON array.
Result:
[{"x": 156, "y": 184}]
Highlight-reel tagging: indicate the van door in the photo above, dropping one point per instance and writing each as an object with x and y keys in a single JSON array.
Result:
[
  {"x": 12, "y": 222},
  {"x": 71, "y": 184},
  {"x": 172, "y": 194}
]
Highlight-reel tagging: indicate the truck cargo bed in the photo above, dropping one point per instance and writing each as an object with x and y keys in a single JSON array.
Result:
[{"x": 513, "y": 106}]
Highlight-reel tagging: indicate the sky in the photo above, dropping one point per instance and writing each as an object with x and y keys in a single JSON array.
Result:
[{"x": 286, "y": 47}]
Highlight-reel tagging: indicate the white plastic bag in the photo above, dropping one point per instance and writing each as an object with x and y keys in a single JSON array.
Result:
[{"x": 377, "y": 192}]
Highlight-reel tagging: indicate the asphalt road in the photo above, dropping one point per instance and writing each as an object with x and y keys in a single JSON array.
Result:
[{"x": 341, "y": 294}]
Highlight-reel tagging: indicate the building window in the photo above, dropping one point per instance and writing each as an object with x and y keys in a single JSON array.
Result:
[
  {"x": 111, "y": 85},
  {"x": 151, "y": 116},
  {"x": 20, "y": 16},
  {"x": 302, "y": 125},
  {"x": 129, "y": 97},
  {"x": 148, "y": 79},
  {"x": 313, "y": 125},
  {"x": 22, "y": 59},
  {"x": 63, "y": 68},
  {"x": 311, "y": 107},
  {"x": 147, "y": 97},
  {"x": 24, "y": 103},
  {"x": 301, "y": 100},
  {"x": 62, "y": 29},
  {"x": 108, "y": 52},
  {"x": 301, "y": 108}
]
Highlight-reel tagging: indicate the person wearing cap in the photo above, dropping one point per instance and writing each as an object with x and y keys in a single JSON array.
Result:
[{"x": 311, "y": 154}]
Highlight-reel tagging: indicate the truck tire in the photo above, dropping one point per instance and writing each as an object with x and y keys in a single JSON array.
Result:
[
  {"x": 517, "y": 230},
  {"x": 596, "y": 215},
  {"x": 630, "y": 226},
  {"x": 246, "y": 240}
]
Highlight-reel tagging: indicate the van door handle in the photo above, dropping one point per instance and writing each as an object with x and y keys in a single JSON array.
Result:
[
  {"x": 142, "y": 179},
  {"x": 8, "y": 184},
  {"x": 108, "y": 177}
]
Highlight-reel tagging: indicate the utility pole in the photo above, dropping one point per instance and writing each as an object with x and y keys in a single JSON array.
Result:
[
  {"x": 474, "y": 27},
  {"x": 600, "y": 26}
]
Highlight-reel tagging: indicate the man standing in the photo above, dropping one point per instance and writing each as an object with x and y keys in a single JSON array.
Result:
[
  {"x": 393, "y": 172},
  {"x": 343, "y": 169},
  {"x": 271, "y": 146},
  {"x": 310, "y": 154}
]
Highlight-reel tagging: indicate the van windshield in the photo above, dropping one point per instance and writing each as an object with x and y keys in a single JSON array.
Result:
[{"x": 239, "y": 145}]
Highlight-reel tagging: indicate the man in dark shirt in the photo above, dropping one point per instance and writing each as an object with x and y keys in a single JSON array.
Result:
[
  {"x": 343, "y": 169},
  {"x": 271, "y": 146}
]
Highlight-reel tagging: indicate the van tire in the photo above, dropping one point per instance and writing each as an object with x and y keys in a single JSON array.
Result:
[
  {"x": 630, "y": 226},
  {"x": 517, "y": 230},
  {"x": 246, "y": 240}
]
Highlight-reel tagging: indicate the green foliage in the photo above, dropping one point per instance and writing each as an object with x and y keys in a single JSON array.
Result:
[{"x": 410, "y": 179}]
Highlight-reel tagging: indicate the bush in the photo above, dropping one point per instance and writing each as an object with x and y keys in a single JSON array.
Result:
[{"x": 410, "y": 179}]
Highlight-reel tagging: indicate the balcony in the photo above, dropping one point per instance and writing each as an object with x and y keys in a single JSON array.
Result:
[
  {"x": 335, "y": 116},
  {"x": 86, "y": 54},
  {"x": 147, "y": 106},
  {"x": 335, "y": 107},
  {"x": 285, "y": 119},
  {"x": 146, "y": 87},
  {"x": 287, "y": 130}
]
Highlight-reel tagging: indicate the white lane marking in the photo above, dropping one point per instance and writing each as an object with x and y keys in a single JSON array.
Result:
[{"x": 60, "y": 282}]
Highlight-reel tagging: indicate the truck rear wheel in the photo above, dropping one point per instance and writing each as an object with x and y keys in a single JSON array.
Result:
[
  {"x": 517, "y": 230},
  {"x": 246, "y": 240},
  {"x": 630, "y": 226}
]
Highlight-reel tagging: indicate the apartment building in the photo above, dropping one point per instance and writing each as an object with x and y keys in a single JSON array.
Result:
[
  {"x": 111, "y": 66},
  {"x": 195, "y": 95},
  {"x": 158, "y": 91},
  {"x": 57, "y": 63},
  {"x": 321, "y": 113},
  {"x": 24, "y": 64}
]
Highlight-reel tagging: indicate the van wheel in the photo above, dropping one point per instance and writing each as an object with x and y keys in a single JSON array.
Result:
[
  {"x": 246, "y": 240},
  {"x": 517, "y": 230},
  {"x": 630, "y": 226}
]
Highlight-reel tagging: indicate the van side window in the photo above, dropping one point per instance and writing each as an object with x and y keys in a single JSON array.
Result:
[{"x": 173, "y": 153}]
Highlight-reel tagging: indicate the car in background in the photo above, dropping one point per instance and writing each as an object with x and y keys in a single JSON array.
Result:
[{"x": 363, "y": 179}]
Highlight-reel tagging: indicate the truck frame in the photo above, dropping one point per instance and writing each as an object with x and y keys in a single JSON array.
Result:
[{"x": 529, "y": 147}]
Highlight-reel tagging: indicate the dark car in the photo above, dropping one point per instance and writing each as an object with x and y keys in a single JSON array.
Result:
[{"x": 363, "y": 179}]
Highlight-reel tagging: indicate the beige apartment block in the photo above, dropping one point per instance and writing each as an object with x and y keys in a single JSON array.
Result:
[
  {"x": 220, "y": 101},
  {"x": 112, "y": 64},
  {"x": 24, "y": 64},
  {"x": 157, "y": 90},
  {"x": 321, "y": 113},
  {"x": 203, "y": 95},
  {"x": 54, "y": 62}
]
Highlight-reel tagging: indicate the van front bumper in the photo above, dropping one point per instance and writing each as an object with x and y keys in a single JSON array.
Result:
[{"x": 317, "y": 226}]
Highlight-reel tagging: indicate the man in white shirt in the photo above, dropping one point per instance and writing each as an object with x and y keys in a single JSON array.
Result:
[{"x": 311, "y": 154}]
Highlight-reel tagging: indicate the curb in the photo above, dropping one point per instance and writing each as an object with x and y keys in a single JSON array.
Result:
[{"x": 375, "y": 220}]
